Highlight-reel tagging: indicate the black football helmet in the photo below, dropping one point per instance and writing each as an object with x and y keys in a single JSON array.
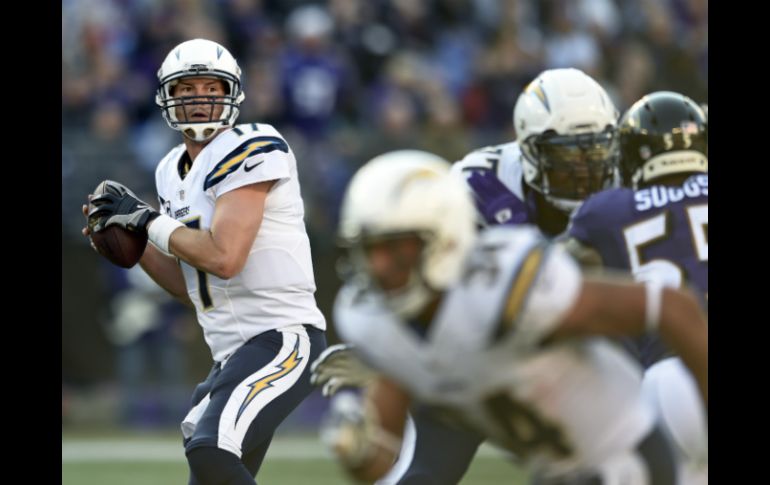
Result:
[{"x": 663, "y": 133}]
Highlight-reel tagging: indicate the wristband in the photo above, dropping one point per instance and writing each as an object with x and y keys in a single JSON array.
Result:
[
  {"x": 160, "y": 231},
  {"x": 653, "y": 301}
]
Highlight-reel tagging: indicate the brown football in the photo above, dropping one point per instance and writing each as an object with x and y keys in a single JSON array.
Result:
[{"x": 121, "y": 246}]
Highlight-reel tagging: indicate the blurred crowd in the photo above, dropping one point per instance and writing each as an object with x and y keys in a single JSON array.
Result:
[{"x": 345, "y": 80}]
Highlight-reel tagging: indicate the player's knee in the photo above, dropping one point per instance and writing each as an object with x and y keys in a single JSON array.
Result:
[
  {"x": 214, "y": 466},
  {"x": 672, "y": 391}
]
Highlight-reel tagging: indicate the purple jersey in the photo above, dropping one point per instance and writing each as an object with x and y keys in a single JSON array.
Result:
[{"x": 657, "y": 232}]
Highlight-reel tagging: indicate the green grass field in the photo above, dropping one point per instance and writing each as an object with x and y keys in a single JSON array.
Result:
[{"x": 292, "y": 460}]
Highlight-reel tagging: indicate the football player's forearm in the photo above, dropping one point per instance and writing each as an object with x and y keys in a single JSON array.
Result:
[
  {"x": 200, "y": 249},
  {"x": 684, "y": 327},
  {"x": 367, "y": 445},
  {"x": 378, "y": 464},
  {"x": 165, "y": 271},
  {"x": 616, "y": 309},
  {"x": 605, "y": 308}
]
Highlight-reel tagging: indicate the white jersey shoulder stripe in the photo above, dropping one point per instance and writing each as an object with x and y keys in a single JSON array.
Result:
[
  {"x": 520, "y": 286},
  {"x": 233, "y": 160}
]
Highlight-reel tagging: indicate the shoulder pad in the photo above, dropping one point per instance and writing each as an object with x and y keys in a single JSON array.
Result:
[{"x": 235, "y": 157}]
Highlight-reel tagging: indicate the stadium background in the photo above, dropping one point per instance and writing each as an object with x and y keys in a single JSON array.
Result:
[{"x": 343, "y": 80}]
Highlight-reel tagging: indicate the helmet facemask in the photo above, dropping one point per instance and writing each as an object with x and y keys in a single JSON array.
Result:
[
  {"x": 176, "y": 109},
  {"x": 566, "y": 169},
  {"x": 406, "y": 298}
]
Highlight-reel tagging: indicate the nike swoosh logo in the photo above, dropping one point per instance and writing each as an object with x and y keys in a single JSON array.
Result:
[{"x": 248, "y": 168}]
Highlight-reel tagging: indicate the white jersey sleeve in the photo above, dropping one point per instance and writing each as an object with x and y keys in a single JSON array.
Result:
[
  {"x": 502, "y": 160},
  {"x": 551, "y": 295},
  {"x": 259, "y": 156},
  {"x": 381, "y": 339},
  {"x": 520, "y": 284}
]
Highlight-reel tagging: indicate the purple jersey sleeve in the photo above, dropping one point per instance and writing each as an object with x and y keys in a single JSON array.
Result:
[
  {"x": 593, "y": 223},
  {"x": 494, "y": 201}
]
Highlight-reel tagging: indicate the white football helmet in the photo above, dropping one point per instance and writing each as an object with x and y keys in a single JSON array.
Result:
[
  {"x": 200, "y": 58},
  {"x": 403, "y": 192},
  {"x": 566, "y": 127}
]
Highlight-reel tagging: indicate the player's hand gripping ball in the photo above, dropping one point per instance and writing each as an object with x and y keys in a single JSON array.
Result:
[{"x": 118, "y": 244}]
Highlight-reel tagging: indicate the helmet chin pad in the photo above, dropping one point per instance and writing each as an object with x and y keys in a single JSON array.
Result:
[{"x": 199, "y": 133}]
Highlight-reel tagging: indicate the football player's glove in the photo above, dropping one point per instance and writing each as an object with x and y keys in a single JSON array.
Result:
[
  {"x": 337, "y": 367},
  {"x": 352, "y": 432},
  {"x": 118, "y": 206}
]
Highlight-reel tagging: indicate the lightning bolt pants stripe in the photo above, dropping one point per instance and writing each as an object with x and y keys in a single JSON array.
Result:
[{"x": 253, "y": 392}]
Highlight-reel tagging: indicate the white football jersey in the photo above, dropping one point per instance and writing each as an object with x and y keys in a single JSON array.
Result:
[
  {"x": 276, "y": 286},
  {"x": 504, "y": 160},
  {"x": 487, "y": 363}
]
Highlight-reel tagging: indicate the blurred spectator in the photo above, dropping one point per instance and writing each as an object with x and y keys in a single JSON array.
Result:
[
  {"x": 263, "y": 95},
  {"x": 395, "y": 115},
  {"x": 675, "y": 57},
  {"x": 315, "y": 79},
  {"x": 445, "y": 134},
  {"x": 100, "y": 151},
  {"x": 634, "y": 74},
  {"x": 367, "y": 39},
  {"x": 148, "y": 328},
  {"x": 567, "y": 44},
  {"x": 245, "y": 22}
]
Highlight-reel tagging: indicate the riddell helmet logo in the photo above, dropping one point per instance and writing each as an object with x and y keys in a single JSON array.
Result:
[{"x": 677, "y": 161}]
